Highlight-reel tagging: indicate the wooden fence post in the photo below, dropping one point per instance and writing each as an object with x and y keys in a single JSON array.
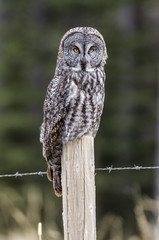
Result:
[{"x": 78, "y": 184}]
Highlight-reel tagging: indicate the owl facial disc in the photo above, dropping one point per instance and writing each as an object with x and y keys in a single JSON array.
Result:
[{"x": 83, "y": 52}]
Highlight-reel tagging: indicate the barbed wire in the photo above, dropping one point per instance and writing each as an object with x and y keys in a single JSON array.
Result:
[
  {"x": 17, "y": 174},
  {"x": 109, "y": 169}
]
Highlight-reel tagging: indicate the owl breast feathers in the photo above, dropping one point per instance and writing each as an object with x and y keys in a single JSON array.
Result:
[{"x": 75, "y": 96}]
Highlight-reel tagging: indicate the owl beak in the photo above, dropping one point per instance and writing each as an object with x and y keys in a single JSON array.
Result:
[{"x": 83, "y": 64}]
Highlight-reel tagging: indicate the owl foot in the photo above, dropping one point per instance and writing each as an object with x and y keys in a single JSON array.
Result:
[{"x": 54, "y": 175}]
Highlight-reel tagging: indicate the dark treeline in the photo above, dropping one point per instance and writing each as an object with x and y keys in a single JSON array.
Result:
[{"x": 30, "y": 32}]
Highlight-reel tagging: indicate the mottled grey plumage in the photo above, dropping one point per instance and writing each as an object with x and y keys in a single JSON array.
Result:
[{"x": 75, "y": 97}]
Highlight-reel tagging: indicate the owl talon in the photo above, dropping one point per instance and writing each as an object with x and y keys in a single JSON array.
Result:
[
  {"x": 57, "y": 188},
  {"x": 49, "y": 174}
]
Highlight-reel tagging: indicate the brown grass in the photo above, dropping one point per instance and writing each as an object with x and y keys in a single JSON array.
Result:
[{"x": 20, "y": 217}]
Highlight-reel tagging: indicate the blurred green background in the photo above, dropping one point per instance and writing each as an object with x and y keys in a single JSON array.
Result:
[{"x": 30, "y": 32}]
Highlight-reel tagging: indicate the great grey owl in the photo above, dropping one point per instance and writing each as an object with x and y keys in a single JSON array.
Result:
[{"x": 75, "y": 96}]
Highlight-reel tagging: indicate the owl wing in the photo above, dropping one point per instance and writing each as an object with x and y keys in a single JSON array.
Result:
[{"x": 54, "y": 113}]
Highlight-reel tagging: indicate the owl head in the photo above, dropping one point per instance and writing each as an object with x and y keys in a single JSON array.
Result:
[{"x": 82, "y": 49}]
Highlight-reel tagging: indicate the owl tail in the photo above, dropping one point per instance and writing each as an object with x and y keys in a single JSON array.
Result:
[{"x": 54, "y": 169}]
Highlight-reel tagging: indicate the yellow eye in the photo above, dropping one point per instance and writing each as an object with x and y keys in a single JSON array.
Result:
[
  {"x": 75, "y": 49},
  {"x": 91, "y": 49}
]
